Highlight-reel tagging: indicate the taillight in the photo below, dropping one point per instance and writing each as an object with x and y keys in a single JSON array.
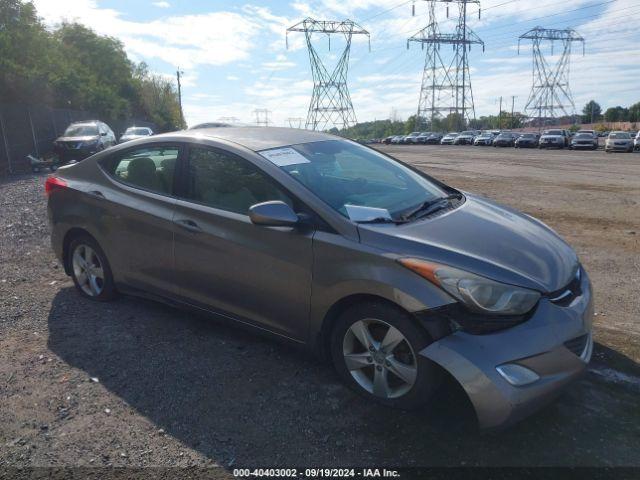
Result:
[{"x": 53, "y": 183}]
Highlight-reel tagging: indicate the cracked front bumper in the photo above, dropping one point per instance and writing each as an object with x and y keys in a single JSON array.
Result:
[{"x": 538, "y": 345}]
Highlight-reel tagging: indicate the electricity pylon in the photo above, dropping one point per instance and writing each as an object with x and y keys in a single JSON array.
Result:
[
  {"x": 262, "y": 117},
  {"x": 446, "y": 81},
  {"x": 295, "y": 122},
  {"x": 550, "y": 93},
  {"x": 330, "y": 104}
]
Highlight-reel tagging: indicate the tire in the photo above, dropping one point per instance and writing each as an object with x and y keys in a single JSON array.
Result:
[
  {"x": 421, "y": 375},
  {"x": 95, "y": 283}
]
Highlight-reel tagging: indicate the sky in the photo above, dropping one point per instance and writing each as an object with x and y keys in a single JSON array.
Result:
[{"x": 235, "y": 58}]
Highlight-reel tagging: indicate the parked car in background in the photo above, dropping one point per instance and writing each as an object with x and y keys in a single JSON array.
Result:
[
  {"x": 387, "y": 140},
  {"x": 466, "y": 138},
  {"x": 636, "y": 142},
  {"x": 505, "y": 139},
  {"x": 82, "y": 139},
  {"x": 397, "y": 139},
  {"x": 618, "y": 142},
  {"x": 422, "y": 138},
  {"x": 449, "y": 138},
  {"x": 410, "y": 139},
  {"x": 133, "y": 133},
  {"x": 259, "y": 222},
  {"x": 584, "y": 139},
  {"x": 527, "y": 140},
  {"x": 485, "y": 138},
  {"x": 554, "y": 138},
  {"x": 433, "y": 139}
]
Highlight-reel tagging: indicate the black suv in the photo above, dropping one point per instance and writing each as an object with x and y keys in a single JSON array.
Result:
[{"x": 82, "y": 139}]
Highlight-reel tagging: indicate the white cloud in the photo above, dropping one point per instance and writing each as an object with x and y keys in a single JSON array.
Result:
[
  {"x": 161, "y": 4},
  {"x": 186, "y": 40}
]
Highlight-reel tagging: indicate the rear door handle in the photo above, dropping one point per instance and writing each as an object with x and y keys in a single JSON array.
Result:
[{"x": 188, "y": 225}]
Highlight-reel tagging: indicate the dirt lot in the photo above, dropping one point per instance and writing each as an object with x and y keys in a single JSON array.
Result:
[{"x": 134, "y": 383}]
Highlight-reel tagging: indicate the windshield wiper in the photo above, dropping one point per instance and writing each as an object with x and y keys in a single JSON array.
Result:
[
  {"x": 429, "y": 206},
  {"x": 382, "y": 220}
]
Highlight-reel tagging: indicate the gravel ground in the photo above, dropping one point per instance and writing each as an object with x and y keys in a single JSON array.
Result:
[{"x": 135, "y": 383}]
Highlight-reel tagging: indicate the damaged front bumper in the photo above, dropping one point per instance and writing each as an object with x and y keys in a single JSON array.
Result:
[{"x": 549, "y": 351}]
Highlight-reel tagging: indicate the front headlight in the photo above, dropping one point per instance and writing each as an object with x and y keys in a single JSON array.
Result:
[{"x": 477, "y": 293}]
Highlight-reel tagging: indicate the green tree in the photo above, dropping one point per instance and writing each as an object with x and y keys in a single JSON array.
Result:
[
  {"x": 616, "y": 114},
  {"x": 634, "y": 112},
  {"x": 73, "y": 67},
  {"x": 591, "y": 112}
]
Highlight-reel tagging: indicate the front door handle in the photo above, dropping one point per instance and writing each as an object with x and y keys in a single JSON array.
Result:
[
  {"x": 96, "y": 194},
  {"x": 188, "y": 225}
]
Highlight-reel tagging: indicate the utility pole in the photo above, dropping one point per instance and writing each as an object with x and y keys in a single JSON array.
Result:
[
  {"x": 178, "y": 73},
  {"x": 550, "y": 93},
  {"x": 330, "y": 104},
  {"x": 513, "y": 101},
  {"x": 446, "y": 81}
]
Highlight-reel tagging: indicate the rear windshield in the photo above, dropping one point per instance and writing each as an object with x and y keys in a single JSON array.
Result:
[
  {"x": 553, "y": 132},
  {"x": 619, "y": 135},
  {"x": 529, "y": 135},
  {"x": 81, "y": 130},
  {"x": 583, "y": 135}
]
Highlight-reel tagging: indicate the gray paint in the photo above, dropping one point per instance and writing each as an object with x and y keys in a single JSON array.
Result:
[{"x": 285, "y": 279}]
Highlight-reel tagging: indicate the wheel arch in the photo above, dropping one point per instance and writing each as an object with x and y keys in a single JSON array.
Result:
[{"x": 323, "y": 336}]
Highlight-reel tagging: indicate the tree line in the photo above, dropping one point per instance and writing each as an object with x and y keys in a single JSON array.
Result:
[
  {"x": 592, "y": 113},
  {"x": 73, "y": 67}
]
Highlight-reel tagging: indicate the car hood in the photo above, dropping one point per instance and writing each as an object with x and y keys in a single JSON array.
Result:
[
  {"x": 90, "y": 138},
  {"x": 484, "y": 238}
]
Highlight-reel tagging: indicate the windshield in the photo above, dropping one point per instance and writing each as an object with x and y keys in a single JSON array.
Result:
[
  {"x": 528, "y": 135},
  {"x": 619, "y": 135},
  {"x": 468, "y": 133},
  {"x": 81, "y": 131},
  {"x": 343, "y": 174},
  {"x": 553, "y": 132},
  {"x": 137, "y": 131},
  {"x": 583, "y": 135}
]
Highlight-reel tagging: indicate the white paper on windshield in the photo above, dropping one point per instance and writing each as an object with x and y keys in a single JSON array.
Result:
[
  {"x": 284, "y": 156},
  {"x": 358, "y": 213}
]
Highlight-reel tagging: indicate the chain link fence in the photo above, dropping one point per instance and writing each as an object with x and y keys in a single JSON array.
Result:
[{"x": 31, "y": 130}]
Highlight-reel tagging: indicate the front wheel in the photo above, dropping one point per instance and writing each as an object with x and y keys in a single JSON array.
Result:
[
  {"x": 90, "y": 269},
  {"x": 375, "y": 349}
]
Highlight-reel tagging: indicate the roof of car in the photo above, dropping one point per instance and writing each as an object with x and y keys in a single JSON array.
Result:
[{"x": 261, "y": 138}]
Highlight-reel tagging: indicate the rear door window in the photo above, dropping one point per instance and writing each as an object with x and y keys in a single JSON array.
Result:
[{"x": 148, "y": 168}]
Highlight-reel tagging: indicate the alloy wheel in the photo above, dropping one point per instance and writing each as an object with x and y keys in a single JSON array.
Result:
[
  {"x": 379, "y": 358},
  {"x": 88, "y": 270}
]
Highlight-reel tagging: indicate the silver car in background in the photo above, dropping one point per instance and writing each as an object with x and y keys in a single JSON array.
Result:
[
  {"x": 449, "y": 138},
  {"x": 133, "y": 133},
  {"x": 333, "y": 246},
  {"x": 618, "y": 142}
]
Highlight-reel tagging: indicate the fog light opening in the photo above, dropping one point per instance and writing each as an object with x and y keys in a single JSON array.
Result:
[{"x": 517, "y": 375}]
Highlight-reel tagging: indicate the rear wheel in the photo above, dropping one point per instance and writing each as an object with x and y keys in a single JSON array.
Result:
[
  {"x": 375, "y": 349},
  {"x": 90, "y": 269}
]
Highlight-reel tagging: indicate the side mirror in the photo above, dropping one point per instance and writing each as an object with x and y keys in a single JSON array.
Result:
[{"x": 273, "y": 214}]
